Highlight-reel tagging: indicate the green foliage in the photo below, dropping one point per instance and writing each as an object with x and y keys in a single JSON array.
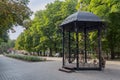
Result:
[
  {"x": 4, "y": 37},
  {"x": 13, "y": 12},
  {"x": 4, "y": 46},
  {"x": 108, "y": 10},
  {"x": 26, "y": 58},
  {"x": 19, "y": 44},
  {"x": 44, "y": 33}
]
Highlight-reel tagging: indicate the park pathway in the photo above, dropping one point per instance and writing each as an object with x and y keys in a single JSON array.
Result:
[{"x": 12, "y": 69}]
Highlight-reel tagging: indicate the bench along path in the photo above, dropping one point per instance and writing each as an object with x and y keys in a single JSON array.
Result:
[{"x": 12, "y": 69}]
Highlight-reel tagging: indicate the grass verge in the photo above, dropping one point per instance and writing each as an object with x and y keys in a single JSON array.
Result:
[{"x": 26, "y": 57}]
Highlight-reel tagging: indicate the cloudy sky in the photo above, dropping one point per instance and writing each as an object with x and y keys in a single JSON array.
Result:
[{"x": 34, "y": 5}]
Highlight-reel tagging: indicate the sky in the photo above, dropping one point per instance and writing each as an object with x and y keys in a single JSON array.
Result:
[{"x": 34, "y": 5}]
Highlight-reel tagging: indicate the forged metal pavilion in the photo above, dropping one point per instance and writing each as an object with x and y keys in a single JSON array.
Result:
[{"x": 76, "y": 57}]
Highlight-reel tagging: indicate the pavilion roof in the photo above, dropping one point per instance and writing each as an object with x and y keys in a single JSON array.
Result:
[{"x": 83, "y": 20}]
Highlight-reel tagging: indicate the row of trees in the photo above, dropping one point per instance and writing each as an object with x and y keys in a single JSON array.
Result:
[{"x": 43, "y": 32}]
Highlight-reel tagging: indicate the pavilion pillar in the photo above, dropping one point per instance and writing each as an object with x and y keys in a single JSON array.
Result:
[
  {"x": 69, "y": 43},
  {"x": 63, "y": 39},
  {"x": 85, "y": 45},
  {"x": 77, "y": 47},
  {"x": 99, "y": 48}
]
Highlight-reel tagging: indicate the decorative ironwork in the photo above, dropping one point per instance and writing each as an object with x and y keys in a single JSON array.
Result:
[{"x": 73, "y": 54}]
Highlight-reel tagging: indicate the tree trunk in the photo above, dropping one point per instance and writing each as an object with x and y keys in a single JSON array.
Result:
[
  {"x": 55, "y": 47},
  {"x": 44, "y": 53},
  {"x": 40, "y": 53},
  {"x": 50, "y": 52},
  {"x": 107, "y": 55},
  {"x": 112, "y": 53},
  {"x": 61, "y": 54}
]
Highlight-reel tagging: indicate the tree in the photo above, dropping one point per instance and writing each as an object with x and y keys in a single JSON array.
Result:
[
  {"x": 13, "y": 12},
  {"x": 4, "y": 46},
  {"x": 4, "y": 37},
  {"x": 19, "y": 44},
  {"x": 109, "y": 10},
  {"x": 45, "y": 31},
  {"x": 54, "y": 14}
]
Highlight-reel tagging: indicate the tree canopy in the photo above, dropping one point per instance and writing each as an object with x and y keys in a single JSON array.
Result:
[
  {"x": 109, "y": 10},
  {"x": 44, "y": 32},
  {"x": 12, "y": 13}
]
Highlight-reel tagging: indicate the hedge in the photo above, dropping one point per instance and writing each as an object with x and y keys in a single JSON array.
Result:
[{"x": 26, "y": 57}]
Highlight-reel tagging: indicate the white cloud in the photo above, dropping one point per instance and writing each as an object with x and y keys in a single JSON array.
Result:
[
  {"x": 18, "y": 29},
  {"x": 36, "y": 5}
]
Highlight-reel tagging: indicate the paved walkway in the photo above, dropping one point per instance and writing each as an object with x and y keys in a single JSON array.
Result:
[{"x": 12, "y": 69}]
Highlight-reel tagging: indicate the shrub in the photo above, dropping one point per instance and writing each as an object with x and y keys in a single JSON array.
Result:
[{"x": 26, "y": 57}]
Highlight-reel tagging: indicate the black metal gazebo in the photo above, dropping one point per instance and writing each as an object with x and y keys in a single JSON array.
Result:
[{"x": 80, "y": 22}]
